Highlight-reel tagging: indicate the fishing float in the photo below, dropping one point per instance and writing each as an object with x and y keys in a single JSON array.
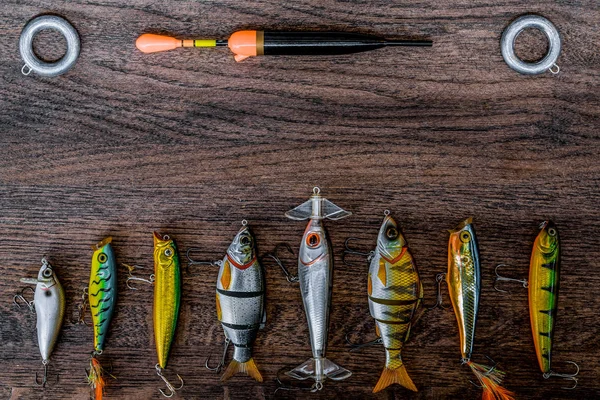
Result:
[{"x": 248, "y": 43}]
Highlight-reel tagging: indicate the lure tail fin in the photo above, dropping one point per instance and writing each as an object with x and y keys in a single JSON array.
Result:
[
  {"x": 397, "y": 375},
  {"x": 248, "y": 367},
  {"x": 96, "y": 378},
  {"x": 318, "y": 367},
  {"x": 490, "y": 379}
]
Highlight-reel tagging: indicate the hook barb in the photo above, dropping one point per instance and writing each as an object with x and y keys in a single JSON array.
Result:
[
  {"x": 358, "y": 346},
  {"x": 132, "y": 277},
  {"x": 569, "y": 377},
  {"x": 275, "y": 256},
  {"x": 439, "y": 279},
  {"x": 171, "y": 389},
  {"x": 44, "y": 381},
  {"x": 350, "y": 251},
  {"x": 191, "y": 261},
  {"x": 20, "y": 297},
  {"x": 499, "y": 278},
  {"x": 217, "y": 369}
]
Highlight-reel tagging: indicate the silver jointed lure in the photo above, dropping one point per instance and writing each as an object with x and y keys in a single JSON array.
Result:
[
  {"x": 241, "y": 302},
  {"x": 49, "y": 303},
  {"x": 315, "y": 270}
]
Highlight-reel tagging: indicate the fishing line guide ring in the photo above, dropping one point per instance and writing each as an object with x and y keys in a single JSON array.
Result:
[
  {"x": 43, "y": 68},
  {"x": 510, "y": 34}
]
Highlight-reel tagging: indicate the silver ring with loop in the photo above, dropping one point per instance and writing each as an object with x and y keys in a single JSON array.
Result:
[
  {"x": 507, "y": 44},
  {"x": 32, "y": 62}
]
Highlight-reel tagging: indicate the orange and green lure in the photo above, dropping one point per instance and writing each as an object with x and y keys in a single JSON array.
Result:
[
  {"x": 464, "y": 285},
  {"x": 102, "y": 298}
]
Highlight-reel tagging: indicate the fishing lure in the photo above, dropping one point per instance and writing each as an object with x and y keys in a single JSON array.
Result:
[
  {"x": 244, "y": 44},
  {"x": 167, "y": 297},
  {"x": 315, "y": 270},
  {"x": 395, "y": 294},
  {"x": 240, "y": 300},
  {"x": 544, "y": 271},
  {"x": 49, "y": 305},
  {"x": 102, "y": 298},
  {"x": 464, "y": 284}
]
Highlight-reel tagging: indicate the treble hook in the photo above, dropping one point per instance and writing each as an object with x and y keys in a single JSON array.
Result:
[
  {"x": 487, "y": 373},
  {"x": 571, "y": 377},
  {"x": 132, "y": 277},
  {"x": 503, "y": 278},
  {"x": 21, "y": 296},
  {"x": 44, "y": 380},
  {"x": 358, "y": 346},
  {"x": 348, "y": 250},
  {"x": 82, "y": 308},
  {"x": 222, "y": 361},
  {"x": 170, "y": 387},
  {"x": 191, "y": 261},
  {"x": 439, "y": 279},
  {"x": 275, "y": 256}
]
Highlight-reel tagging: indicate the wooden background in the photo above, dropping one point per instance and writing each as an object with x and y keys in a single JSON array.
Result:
[{"x": 189, "y": 143}]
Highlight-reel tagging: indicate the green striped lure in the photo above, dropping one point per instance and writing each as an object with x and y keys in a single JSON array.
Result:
[{"x": 102, "y": 298}]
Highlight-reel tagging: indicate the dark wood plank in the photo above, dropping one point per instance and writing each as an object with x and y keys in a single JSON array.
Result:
[{"x": 190, "y": 143}]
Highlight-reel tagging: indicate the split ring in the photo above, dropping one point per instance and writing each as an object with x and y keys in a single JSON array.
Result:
[
  {"x": 507, "y": 44},
  {"x": 32, "y": 62}
]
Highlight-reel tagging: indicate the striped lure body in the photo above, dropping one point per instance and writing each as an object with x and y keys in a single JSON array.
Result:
[
  {"x": 544, "y": 272},
  {"x": 102, "y": 290},
  {"x": 464, "y": 282},
  {"x": 167, "y": 295},
  {"x": 241, "y": 302},
  {"x": 464, "y": 286},
  {"x": 395, "y": 293}
]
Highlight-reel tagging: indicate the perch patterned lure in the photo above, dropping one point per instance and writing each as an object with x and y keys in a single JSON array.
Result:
[
  {"x": 244, "y": 44},
  {"x": 241, "y": 302},
  {"x": 102, "y": 298},
  {"x": 544, "y": 271},
  {"x": 49, "y": 305},
  {"x": 464, "y": 284},
  {"x": 315, "y": 272},
  {"x": 395, "y": 294}
]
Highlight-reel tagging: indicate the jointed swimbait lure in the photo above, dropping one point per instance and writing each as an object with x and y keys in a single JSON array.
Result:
[
  {"x": 315, "y": 270},
  {"x": 49, "y": 303},
  {"x": 464, "y": 285},
  {"x": 395, "y": 293},
  {"x": 102, "y": 297},
  {"x": 241, "y": 302}
]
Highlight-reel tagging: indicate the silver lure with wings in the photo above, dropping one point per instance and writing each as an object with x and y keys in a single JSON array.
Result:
[{"x": 315, "y": 270}]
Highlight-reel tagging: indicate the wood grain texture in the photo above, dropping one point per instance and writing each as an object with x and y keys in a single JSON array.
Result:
[{"x": 190, "y": 143}]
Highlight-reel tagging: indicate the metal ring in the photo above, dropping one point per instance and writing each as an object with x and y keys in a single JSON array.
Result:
[
  {"x": 507, "y": 44},
  {"x": 32, "y": 62}
]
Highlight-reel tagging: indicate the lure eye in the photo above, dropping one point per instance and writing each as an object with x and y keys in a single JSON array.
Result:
[
  {"x": 313, "y": 240},
  {"x": 552, "y": 232},
  {"x": 168, "y": 252},
  {"x": 47, "y": 273},
  {"x": 245, "y": 240},
  {"x": 391, "y": 233},
  {"x": 465, "y": 236},
  {"x": 102, "y": 258}
]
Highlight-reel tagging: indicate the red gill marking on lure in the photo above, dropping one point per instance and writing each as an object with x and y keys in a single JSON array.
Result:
[
  {"x": 241, "y": 266},
  {"x": 395, "y": 260}
]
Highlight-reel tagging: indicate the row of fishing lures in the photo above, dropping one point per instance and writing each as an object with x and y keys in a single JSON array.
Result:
[{"x": 395, "y": 295}]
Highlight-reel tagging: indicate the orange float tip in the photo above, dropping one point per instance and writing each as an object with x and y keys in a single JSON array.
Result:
[
  {"x": 244, "y": 44},
  {"x": 151, "y": 43}
]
